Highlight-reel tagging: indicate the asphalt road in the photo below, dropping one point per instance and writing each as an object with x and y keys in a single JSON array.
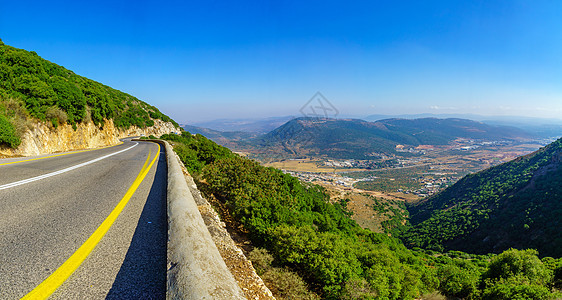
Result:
[{"x": 45, "y": 219}]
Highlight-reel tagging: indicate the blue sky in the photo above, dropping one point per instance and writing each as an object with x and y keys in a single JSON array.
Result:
[{"x": 203, "y": 60}]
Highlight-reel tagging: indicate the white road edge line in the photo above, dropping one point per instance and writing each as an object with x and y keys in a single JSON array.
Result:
[{"x": 13, "y": 184}]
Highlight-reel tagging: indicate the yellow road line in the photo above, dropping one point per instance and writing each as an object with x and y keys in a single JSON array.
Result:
[
  {"x": 49, "y": 285},
  {"x": 38, "y": 158}
]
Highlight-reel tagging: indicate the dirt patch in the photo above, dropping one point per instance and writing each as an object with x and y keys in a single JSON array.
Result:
[
  {"x": 362, "y": 205},
  {"x": 363, "y": 213},
  {"x": 306, "y": 165}
]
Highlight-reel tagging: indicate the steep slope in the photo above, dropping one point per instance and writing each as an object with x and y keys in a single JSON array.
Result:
[
  {"x": 39, "y": 96},
  {"x": 351, "y": 138},
  {"x": 516, "y": 204}
]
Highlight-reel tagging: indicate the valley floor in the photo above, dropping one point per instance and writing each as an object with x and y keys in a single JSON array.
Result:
[{"x": 390, "y": 179}]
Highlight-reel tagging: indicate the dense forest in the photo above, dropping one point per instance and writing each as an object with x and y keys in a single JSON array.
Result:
[
  {"x": 32, "y": 87},
  {"x": 516, "y": 204},
  {"x": 295, "y": 228}
]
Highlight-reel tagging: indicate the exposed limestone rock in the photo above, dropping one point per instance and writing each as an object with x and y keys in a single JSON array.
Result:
[
  {"x": 160, "y": 127},
  {"x": 43, "y": 138}
]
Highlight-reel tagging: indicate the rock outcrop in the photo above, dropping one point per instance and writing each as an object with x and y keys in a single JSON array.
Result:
[
  {"x": 43, "y": 138},
  {"x": 160, "y": 127}
]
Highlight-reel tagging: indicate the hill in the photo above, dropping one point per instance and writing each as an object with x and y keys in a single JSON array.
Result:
[
  {"x": 224, "y": 138},
  {"x": 352, "y": 138},
  {"x": 516, "y": 204},
  {"x": 34, "y": 88}
]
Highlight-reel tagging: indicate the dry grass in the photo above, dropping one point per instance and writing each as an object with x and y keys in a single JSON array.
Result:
[
  {"x": 433, "y": 296},
  {"x": 306, "y": 165},
  {"x": 54, "y": 113},
  {"x": 283, "y": 283},
  {"x": 363, "y": 213},
  {"x": 16, "y": 112}
]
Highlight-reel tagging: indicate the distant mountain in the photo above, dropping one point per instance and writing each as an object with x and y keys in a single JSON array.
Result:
[
  {"x": 229, "y": 139},
  {"x": 352, "y": 138},
  {"x": 378, "y": 117},
  {"x": 541, "y": 127},
  {"x": 259, "y": 126},
  {"x": 517, "y": 204},
  {"x": 520, "y": 120}
]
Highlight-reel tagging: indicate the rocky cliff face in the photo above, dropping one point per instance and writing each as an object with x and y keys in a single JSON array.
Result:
[
  {"x": 44, "y": 139},
  {"x": 160, "y": 127}
]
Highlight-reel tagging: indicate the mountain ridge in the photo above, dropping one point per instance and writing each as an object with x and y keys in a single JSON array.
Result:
[{"x": 355, "y": 138}]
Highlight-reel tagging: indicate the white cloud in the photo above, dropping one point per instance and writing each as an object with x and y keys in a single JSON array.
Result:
[{"x": 435, "y": 107}]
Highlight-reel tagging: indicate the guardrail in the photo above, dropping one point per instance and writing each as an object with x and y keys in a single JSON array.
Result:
[{"x": 196, "y": 269}]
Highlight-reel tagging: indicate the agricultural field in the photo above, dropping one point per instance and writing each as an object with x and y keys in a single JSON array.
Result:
[
  {"x": 425, "y": 171},
  {"x": 376, "y": 197},
  {"x": 307, "y": 165}
]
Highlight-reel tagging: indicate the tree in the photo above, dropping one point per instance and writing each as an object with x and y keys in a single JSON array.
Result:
[{"x": 521, "y": 264}]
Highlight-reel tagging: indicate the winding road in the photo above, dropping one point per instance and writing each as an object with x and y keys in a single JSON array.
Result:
[{"x": 84, "y": 224}]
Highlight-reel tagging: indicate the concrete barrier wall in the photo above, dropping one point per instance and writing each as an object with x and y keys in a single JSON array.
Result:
[{"x": 196, "y": 269}]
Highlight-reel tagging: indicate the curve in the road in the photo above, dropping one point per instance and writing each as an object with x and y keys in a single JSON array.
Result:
[{"x": 57, "y": 278}]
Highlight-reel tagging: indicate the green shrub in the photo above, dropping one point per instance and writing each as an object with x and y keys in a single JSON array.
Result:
[
  {"x": 358, "y": 288},
  {"x": 458, "y": 282},
  {"x": 516, "y": 291},
  {"x": 517, "y": 274},
  {"x": 522, "y": 264},
  {"x": 283, "y": 283},
  {"x": 261, "y": 260},
  {"x": 196, "y": 151},
  {"x": 8, "y": 134},
  {"x": 56, "y": 115}
]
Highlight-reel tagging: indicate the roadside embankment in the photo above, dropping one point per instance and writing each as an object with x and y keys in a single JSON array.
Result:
[
  {"x": 42, "y": 138},
  {"x": 196, "y": 269},
  {"x": 239, "y": 265}
]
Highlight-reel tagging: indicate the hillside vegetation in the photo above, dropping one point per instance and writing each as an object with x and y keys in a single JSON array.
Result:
[
  {"x": 32, "y": 87},
  {"x": 303, "y": 237},
  {"x": 351, "y": 138},
  {"x": 516, "y": 204}
]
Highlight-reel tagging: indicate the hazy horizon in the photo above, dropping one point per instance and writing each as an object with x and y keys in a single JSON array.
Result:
[
  {"x": 476, "y": 117},
  {"x": 205, "y": 61}
]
